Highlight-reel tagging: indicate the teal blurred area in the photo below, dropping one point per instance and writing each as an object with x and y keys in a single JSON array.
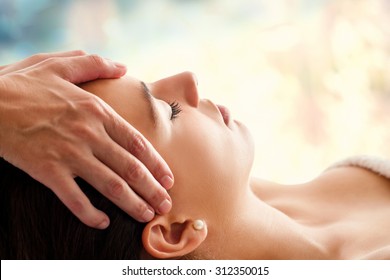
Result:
[{"x": 310, "y": 78}]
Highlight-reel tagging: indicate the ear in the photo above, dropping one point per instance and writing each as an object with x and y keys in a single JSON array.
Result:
[{"x": 165, "y": 239}]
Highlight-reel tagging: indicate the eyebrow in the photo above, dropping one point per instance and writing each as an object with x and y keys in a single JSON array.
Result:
[{"x": 151, "y": 104}]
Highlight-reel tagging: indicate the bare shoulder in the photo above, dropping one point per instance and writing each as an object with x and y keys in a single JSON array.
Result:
[
  {"x": 359, "y": 201},
  {"x": 356, "y": 178},
  {"x": 352, "y": 188},
  {"x": 379, "y": 254}
]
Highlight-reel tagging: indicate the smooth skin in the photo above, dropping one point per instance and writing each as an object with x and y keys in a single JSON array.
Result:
[
  {"x": 56, "y": 131},
  {"x": 342, "y": 213}
]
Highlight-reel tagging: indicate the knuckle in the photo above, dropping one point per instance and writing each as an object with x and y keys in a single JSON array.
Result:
[
  {"x": 68, "y": 151},
  {"x": 38, "y": 57},
  {"x": 58, "y": 157},
  {"x": 139, "y": 208},
  {"x": 49, "y": 166},
  {"x": 45, "y": 169},
  {"x": 92, "y": 105},
  {"x": 138, "y": 145},
  {"x": 115, "y": 188},
  {"x": 97, "y": 60},
  {"x": 134, "y": 172},
  {"x": 79, "y": 52},
  {"x": 158, "y": 170},
  {"x": 158, "y": 195},
  {"x": 57, "y": 64},
  {"x": 83, "y": 131},
  {"x": 50, "y": 61}
]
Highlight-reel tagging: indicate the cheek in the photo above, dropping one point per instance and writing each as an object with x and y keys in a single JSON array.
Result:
[
  {"x": 209, "y": 162},
  {"x": 202, "y": 156},
  {"x": 202, "y": 147},
  {"x": 211, "y": 150}
]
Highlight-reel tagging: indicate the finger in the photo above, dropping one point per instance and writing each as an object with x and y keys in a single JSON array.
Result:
[
  {"x": 115, "y": 189},
  {"x": 77, "y": 202},
  {"x": 135, "y": 175},
  {"x": 80, "y": 69},
  {"x": 37, "y": 58},
  {"x": 65, "y": 53},
  {"x": 134, "y": 142}
]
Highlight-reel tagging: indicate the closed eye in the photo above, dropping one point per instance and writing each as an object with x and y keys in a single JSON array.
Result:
[{"x": 176, "y": 109}]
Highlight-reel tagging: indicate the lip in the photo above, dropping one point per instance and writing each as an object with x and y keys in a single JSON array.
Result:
[{"x": 225, "y": 113}]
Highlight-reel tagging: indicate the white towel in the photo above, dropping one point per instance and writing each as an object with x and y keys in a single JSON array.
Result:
[{"x": 376, "y": 164}]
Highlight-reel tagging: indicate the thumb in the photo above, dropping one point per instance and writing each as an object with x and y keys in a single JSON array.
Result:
[{"x": 80, "y": 69}]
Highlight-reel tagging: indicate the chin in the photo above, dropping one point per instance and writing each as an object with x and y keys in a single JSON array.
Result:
[
  {"x": 247, "y": 138},
  {"x": 246, "y": 151}
]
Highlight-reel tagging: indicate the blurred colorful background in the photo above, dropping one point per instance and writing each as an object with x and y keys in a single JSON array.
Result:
[{"x": 310, "y": 78}]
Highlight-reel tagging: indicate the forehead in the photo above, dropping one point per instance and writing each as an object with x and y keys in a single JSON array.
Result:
[{"x": 126, "y": 96}]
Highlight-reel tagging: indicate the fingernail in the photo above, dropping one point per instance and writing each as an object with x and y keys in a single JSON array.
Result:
[
  {"x": 167, "y": 182},
  {"x": 165, "y": 206},
  {"x": 120, "y": 65},
  {"x": 103, "y": 224},
  {"x": 148, "y": 215}
]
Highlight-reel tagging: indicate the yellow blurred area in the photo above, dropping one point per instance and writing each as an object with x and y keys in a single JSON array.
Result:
[{"x": 311, "y": 79}]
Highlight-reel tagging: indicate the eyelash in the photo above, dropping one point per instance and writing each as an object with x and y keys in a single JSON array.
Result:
[{"x": 176, "y": 109}]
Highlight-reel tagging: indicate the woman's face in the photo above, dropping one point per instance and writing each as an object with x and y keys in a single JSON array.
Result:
[{"x": 210, "y": 155}]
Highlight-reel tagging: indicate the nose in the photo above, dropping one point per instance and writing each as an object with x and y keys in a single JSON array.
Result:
[{"x": 182, "y": 87}]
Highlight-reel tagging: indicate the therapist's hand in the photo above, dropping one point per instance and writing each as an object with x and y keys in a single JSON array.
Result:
[{"x": 55, "y": 131}]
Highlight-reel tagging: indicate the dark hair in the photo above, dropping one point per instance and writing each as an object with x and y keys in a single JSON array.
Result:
[{"x": 36, "y": 225}]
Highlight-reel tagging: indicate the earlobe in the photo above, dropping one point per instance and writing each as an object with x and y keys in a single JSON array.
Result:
[
  {"x": 165, "y": 239},
  {"x": 198, "y": 224}
]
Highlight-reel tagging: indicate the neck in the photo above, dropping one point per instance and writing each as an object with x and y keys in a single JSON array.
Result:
[
  {"x": 272, "y": 229},
  {"x": 330, "y": 217}
]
